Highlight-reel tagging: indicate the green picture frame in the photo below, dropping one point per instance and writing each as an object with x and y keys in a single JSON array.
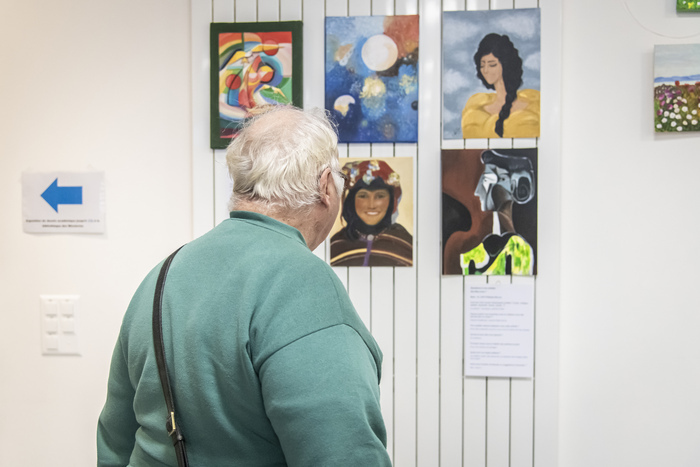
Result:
[{"x": 252, "y": 64}]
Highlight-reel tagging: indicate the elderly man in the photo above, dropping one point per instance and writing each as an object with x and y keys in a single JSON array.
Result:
[{"x": 269, "y": 362}]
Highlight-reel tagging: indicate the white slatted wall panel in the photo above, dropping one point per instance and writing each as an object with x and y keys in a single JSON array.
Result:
[{"x": 434, "y": 415}]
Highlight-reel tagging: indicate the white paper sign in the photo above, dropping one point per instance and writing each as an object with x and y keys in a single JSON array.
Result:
[
  {"x": 500, "y": 330},
  {"x": 63, "y": 202}
]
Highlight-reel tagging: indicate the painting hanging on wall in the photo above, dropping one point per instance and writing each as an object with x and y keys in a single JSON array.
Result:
[
  {"x": 252, "y": 64},
  {"x": 489, "y": 211},
  {"x": 375, "y": 223},
  {"x": 371, "y": 74},
  {"x": 676, "y": 87},
  {"x": 491, "y": 74},
  {"x": 687, "y": 5}
]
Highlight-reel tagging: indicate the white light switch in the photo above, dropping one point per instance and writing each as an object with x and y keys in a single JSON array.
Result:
[
  {"x": 51, "y": 325},
  {"x": 59, "y": 324}
]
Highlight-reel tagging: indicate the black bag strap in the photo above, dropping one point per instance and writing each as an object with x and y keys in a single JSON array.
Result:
[{"x": 172, "y": 428}]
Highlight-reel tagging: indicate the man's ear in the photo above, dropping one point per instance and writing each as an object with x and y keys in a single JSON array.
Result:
[{"x": 325, "y": 185}]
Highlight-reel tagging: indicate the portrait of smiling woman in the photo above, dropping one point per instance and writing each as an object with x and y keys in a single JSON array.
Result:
[
  {"x": 507, "y": 112},
  {"x": 371, "y": 234}
]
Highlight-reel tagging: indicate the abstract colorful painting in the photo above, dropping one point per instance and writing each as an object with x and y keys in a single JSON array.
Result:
[
  {"x": 252, "y": 64},
  {"x": 375, "y": 223},
  {"x": 676, "y": 88},
  {"x": 687, "y": 5},
  {"x": 491, "y": 74},
  {"x": 489, "y": 211},
  {"x": 372, "y": 77}
]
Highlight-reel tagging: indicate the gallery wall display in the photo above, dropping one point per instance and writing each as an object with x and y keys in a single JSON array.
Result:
[
  {"x": 375, "y": 222},
  {"x": 371, "y": 76},
  {"x": 491, "y": 74},
  {"x": 489, "y": 211},
  {"x": 253, "y": 64},
  {"x": 676, "y": 87}
]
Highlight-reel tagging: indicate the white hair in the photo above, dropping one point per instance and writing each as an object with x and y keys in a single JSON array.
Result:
[{"x": 278, "y": 157}]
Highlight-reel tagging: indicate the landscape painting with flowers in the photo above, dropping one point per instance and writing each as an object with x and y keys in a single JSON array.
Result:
[
  {"x": 677, "y": 88},
  {"x": 687, "y": 5}
]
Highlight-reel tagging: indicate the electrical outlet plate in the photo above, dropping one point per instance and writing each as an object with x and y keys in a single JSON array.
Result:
[{"x": 60, "y": 324}]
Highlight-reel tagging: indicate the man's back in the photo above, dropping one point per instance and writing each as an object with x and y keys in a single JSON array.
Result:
[{"x": 269, "y": 362}]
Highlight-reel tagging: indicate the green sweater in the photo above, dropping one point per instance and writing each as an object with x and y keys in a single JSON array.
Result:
[{"x": 269, "y": 362}]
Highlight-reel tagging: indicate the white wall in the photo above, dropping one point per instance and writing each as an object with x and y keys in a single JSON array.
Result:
[
  {"x": 85, "y": 85},
  {"x": 88, "y": 85},
  {"x": 630, "y": 317}
]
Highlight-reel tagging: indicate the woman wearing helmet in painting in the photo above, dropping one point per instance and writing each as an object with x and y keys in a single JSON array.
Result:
[{"x": 371, "y": 236}]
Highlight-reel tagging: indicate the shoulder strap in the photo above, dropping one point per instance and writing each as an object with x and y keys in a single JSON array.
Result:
[{"x": 172, "y": 428}]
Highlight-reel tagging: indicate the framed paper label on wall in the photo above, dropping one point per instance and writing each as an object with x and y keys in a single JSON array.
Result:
[{"x": 252, "y": 64}]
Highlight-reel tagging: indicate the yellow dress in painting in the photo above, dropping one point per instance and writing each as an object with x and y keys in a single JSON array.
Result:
[{"x": 523, "y": 123}]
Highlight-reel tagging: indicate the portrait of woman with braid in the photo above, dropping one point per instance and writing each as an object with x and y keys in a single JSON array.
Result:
[{"x": 509, "y": 112}]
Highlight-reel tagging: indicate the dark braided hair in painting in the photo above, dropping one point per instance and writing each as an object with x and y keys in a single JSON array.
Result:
[{"x": 503, "y": 49}]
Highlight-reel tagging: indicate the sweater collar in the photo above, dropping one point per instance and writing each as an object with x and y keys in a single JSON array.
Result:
[{"x": 269, "y": 223}]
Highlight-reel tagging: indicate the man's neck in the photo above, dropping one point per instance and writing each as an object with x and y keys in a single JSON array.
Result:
[{"x": 303, "y": 220}]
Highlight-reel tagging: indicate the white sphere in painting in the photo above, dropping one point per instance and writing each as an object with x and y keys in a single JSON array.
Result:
[
  {"x": 342, "y": 104},
  {"x": 379, "y": 52}
]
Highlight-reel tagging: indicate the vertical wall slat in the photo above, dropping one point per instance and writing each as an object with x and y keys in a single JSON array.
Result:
[
  {"x": 405, "y": 349},
  {"x": 360, "y": 8},
  {"x": 501, "y": 4},
  {"x": 223, "y": 186},
  {"x": 451, "y": 370},
  {"x": 358, "y": 289},
  {"x": 223, "y": 12},
  {"x": 268, "y": 10},
  {"x": 522, "y": 410},
  {"x": 203, "y": 198},
  {"x": 497, "y": 422},
  {"x": 478, "y": 4},
  {"x": 314, "y": 49},
  {"x": 382, "y": 7},
  {"x": 246, "y": 11},
  {"x": 453, "y": 5},
  {"x": 524, "y": 142},
  {"x": 428, "y": 239},
  {"x": 407, "y": 7},
  {"x": 294, "y": 10},
  {"x": 382, "y": 151},
  {"x": 474, "y": 448},
  {"x": 525, "y": 4},
  {"x": 500, "y": 143},
  {"x": 521, "y": 422},
  {"x": 336, "y": 8},
  {"x": 383, "y": 331}
]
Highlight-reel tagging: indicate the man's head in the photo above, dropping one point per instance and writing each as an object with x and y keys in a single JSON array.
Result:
[{"x": 277, "y": 159}]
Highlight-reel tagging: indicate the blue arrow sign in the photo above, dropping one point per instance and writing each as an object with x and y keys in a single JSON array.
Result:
[{"x": 55, "y": 195}]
